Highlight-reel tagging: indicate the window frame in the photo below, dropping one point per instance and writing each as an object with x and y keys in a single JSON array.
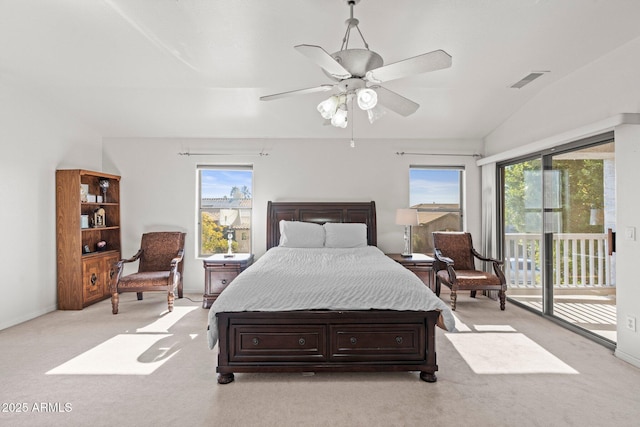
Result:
[
  {"x": 199, "y": 198},
  {"x": 459, "y": 210}
]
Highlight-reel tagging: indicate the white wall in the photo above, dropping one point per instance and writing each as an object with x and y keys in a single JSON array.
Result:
[
  {"x": 158, "y": 187},
  {"x": 603, "y": 89},
  {"x": 35, "y": 140}
]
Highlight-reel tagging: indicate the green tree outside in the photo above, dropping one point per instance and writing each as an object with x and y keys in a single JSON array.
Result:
[{"x": 214, "y": 240}]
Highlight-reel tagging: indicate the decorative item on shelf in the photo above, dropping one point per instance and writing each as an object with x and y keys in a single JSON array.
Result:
[
  {"x": 85, "y": 249},
  {"x": 99, "y": 199},
  {"x": 101, "y": 246},
  {"x": 99, "y": 219},
  {"x": 84, "y": 191},
  {"x": 104, "y": 184},
  {"x": 84, "y": 221},
  {"x": 91, "y": 198},
  {"x": 227, "y": 218},
  {"x": 407, "y": 217}
]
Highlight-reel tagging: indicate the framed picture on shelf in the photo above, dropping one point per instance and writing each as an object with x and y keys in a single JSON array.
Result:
[
  {"x": 99, "y": 219},
  {"x": 84, "y": 191}
]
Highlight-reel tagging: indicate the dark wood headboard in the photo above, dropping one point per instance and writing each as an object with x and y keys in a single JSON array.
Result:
[{"x": 319, "y": 213}]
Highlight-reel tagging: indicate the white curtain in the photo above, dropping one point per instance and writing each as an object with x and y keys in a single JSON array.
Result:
[{"x": 489, "y": 215}]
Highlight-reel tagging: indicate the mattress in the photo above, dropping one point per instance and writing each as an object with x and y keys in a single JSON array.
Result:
[{"x": 290, "y": 279}]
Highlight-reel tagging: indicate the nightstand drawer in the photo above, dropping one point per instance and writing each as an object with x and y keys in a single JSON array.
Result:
[
  {"x": 219, "y": 271},
  {"x": 218, "y": 280}
]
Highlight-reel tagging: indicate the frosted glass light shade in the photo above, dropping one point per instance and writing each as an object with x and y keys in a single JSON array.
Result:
[
  {"x": 327, "y": 108},
  {"x": 339, "y": 119},
  {"x": 367, "y": 98}
]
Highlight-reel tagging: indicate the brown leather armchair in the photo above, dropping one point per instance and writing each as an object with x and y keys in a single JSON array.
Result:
[
  {"x": 454, "y": 266},
  {"x": 159, "y": 269}
]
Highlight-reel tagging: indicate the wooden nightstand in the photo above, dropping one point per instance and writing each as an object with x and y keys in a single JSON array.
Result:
[
  {"x": 219, "y": 271},
  {"x": 420, "y": 264}
]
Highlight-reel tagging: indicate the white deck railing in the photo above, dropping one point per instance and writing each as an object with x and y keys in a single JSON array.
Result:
[{"x": 579, "y": 260}]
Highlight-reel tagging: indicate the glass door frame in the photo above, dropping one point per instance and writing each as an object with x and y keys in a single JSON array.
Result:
[{"x": 546, "y": 157}]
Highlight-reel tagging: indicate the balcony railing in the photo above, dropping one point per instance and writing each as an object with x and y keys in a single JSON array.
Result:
[{"x": 579, "y": 260}]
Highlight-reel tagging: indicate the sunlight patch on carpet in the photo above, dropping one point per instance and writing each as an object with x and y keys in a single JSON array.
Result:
[
  {"x": 167, "y": 320},
  {"x": 494, "y": 328},
  {"x": 120, "y": 355},
  {"x": 506, "y": 353}
]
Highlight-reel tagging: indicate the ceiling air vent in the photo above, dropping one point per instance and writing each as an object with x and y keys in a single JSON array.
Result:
[{"x": 528, "y": 79}]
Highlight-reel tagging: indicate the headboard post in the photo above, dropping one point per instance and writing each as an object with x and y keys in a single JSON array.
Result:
[{"x": 319, "y": 213}]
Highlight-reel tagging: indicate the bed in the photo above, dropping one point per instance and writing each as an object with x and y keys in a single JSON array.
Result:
[{"x": 326, "y": 309}]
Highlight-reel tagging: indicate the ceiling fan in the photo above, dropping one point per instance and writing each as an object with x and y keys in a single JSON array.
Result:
[{"x": 358, "y": 74}]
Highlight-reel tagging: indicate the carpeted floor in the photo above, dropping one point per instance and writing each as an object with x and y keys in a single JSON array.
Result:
[{"x": 145, "y": 367}]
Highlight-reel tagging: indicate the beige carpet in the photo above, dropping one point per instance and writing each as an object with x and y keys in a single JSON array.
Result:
[{"x": 146, "y": 367}]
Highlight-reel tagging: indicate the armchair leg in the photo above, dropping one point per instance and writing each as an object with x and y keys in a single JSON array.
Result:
[
  {"x": 180, "y": 289},
  {"x": 473, "y": 294},
  {"x": 170, "y": 298},
  {"x": 139, "y": 294},
  {"x": 503, "y": 297},
  {"x": 454, "y": 297},
  {"x": 438, "y": 285},
  {"x": 115, "y": 299}
]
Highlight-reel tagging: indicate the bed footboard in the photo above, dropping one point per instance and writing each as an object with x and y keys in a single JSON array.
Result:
[{"x": 327, "y": 341}]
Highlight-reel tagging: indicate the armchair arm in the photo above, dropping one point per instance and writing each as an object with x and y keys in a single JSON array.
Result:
[
  {"x": 120, "y": 263},
  {"x": 444, "y": 263},
  {"x": 497, "y": 266},
  {"x": 439, "y": 257},
  {"x": 175, "y": 261},
  {"x": 119, "y": 266},
  {"x": 174, "y": 276},
  {"x": 484, "y": 258}
]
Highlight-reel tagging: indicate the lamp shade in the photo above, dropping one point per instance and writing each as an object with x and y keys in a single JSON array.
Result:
[
  {"x": 407, "y": 217},
  {"x": 228, "y": 216}
]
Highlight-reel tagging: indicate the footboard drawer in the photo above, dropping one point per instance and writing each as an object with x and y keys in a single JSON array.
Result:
[
  {"x": 378, "y": 342},
  {"x": 285, "y": 343}
]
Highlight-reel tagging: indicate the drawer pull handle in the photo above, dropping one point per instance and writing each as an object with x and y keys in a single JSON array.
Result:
[
  {"x": 255, "y": 341},
  {"x": 223, "y": 281},
  {"x": 399, "y": 340},
  {"x": 301, "y": 341},
  {"x": 94, "y": 279},
  {"x": 353, "y": 340}
]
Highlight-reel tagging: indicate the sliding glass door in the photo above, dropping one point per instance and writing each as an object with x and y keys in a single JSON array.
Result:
[{"x": 557, "y": 209}]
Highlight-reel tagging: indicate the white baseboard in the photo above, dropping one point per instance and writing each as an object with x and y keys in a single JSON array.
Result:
[
  {"x": 7, "y": 323},
  {"x": 627, "y": 358}
]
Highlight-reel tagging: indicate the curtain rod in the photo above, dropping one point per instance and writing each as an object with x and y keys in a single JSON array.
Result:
[
  {"x": 403, "y": 153},
  {"x": 187, "y": 153}
]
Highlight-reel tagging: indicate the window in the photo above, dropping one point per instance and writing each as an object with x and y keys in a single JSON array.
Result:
[
  {"x": 436, "y": 192},
  {"x": 224, "y": 211}
]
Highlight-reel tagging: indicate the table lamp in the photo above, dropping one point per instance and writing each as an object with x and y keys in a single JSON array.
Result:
[{"x": 407, "y": 217}]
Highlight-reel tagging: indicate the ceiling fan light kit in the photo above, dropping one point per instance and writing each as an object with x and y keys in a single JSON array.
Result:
[{"x": 358, "y": 73}]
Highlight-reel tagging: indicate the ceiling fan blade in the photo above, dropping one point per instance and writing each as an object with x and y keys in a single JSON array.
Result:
[
  {"x": 324, "y": 60},
  {"x": 322, "y": 88},
  {"x": 432, "y": 61},
  {"x": 395, "y": 102}
]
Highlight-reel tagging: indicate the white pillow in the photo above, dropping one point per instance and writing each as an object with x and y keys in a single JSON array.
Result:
[
  {"x": 298, "y": 234},
  {"x": 345, "y": 235}
]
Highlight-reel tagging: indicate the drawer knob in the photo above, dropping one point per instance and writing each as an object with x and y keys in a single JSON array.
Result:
[
  {"x": 399, "y": 340},
  {"x": 255, "y": 341},
  {"x": 353, "y": 340},
  {"x": 301, "y": 341},
  {"x": 94, "y": 279},
  {"x": 223, "y": 281}
]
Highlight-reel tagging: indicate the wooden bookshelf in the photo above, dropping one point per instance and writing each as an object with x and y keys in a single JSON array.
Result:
[{"x": 84, "y": 271}]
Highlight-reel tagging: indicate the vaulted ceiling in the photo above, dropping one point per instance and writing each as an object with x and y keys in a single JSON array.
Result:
[{"x": 196, "y": 68}]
